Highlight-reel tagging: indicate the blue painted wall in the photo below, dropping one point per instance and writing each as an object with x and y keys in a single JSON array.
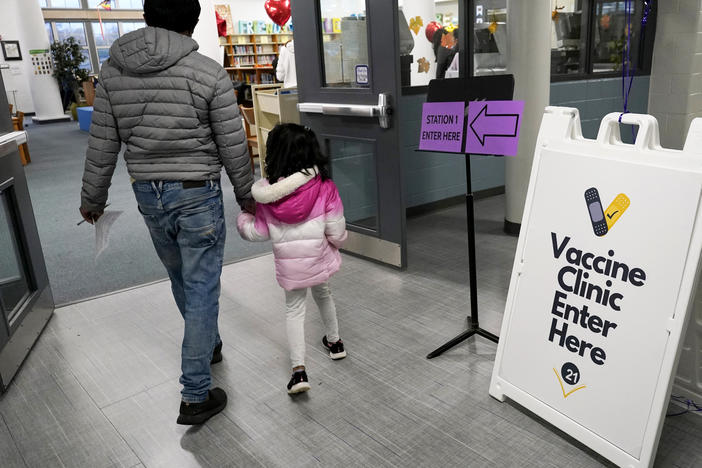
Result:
[
  {"x": 430, "y": 177},
  {"x": 597, "y": 98}
]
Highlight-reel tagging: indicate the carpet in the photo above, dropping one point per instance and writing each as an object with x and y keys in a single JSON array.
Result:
[{"x": 54, "y": 178}]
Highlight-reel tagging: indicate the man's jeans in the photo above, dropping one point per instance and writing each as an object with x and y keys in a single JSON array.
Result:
[{"x": 188, "y": 230}]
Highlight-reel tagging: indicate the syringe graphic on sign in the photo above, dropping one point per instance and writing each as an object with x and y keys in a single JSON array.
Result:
[
  {"x": 493, "y": 127},
  {"x": 602, "y": 221}
]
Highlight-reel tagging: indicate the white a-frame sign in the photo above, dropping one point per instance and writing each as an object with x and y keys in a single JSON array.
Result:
[{"x": 602, "y": 283}]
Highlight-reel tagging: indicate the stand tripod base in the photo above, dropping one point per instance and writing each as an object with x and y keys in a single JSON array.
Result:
[{"x": 473, "y": 330}]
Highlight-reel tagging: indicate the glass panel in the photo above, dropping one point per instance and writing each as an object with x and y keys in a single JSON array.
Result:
[
  {"x": 49, "y": 32},
  {"x": 129, "y": 27},
  {"x": 87, "y": 63},
  {"x": 14, "y": 286},
  {"x": 130, "y": 4},
  {"x": 353, "y": 171},
  {"x": 421, "y": 23},
  {"x": 120, "y": 4},
  {"x": 66, "y": 30},
  {"x": 103, "y": 54},
  {"x": 62, "y": 3},
  {"x": 567, "y": 37},
  {"x": 43, "y": 3},
  {"x": 609, "y": 36},
  {"x": 490, "y": 37},
  {"x": 111, "y": 34},
  {"x": 345, "y": 41}
]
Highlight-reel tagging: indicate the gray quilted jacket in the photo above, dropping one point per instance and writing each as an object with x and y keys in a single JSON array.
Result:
[{"x": 175, "y": 110}]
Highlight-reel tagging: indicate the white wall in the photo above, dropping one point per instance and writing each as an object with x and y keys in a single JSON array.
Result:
[
  {"x": 245, "y": 10},
  {"x": 206, "y": 33},
  {"x": 676, "y": 76},
  {"x": 17, "y": 77},
  {"x": 22, "y": 20}
]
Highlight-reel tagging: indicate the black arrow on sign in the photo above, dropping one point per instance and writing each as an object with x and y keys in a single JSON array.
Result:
[{"x": 484, "y": 125}]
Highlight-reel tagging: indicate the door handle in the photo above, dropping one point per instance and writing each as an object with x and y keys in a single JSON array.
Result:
[{"x": 382, "y": 111}]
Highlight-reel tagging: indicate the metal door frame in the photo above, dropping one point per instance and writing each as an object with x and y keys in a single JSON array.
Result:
[
  {"x": 18, "y": 337},
  {"x": 389, "y": 243}
]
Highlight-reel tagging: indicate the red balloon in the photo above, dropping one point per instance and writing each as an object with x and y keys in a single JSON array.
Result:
[
  {"x": 278, "y": 11},
  {"x": 431, "y": 29}
]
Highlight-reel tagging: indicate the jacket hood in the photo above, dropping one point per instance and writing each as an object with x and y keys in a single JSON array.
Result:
[
  {"x": 150, "y": 50},
  {"x": 291, "y": 47},
  {"x": 290, "y": 199}
]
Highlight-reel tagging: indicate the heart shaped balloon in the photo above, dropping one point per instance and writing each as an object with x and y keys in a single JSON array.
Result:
[
  {"x": 278, "y": 11},
  {"x": 430, "y": 29}
]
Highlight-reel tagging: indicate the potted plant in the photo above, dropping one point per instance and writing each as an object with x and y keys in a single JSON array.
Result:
[{"x": 68, "y": 57}]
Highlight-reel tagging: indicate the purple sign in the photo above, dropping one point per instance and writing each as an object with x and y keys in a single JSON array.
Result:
[
  {"x": 493, "y": 127},
  {"x": 442, "y": 126}
]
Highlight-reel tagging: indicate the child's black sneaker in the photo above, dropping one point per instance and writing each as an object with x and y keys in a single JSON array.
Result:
[
  {"x": 298, "y": 383},
  {"x": 336, "y": 350},
  {"x": 198, "y": 413}
]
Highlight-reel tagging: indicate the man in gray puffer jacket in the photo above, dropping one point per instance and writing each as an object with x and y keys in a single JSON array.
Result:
[{"x": 176, "y": 112}]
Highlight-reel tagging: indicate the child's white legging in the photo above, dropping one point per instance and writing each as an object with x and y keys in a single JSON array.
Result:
[{"x": 295, "y": 314}]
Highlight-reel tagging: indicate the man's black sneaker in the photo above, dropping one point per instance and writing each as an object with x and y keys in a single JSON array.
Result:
[
  {"x": 299, "y": 382},
  {"x": 217, "y": 354},
  {"x": 198, "y": 413},
  {"x": 336, "y": 350}
]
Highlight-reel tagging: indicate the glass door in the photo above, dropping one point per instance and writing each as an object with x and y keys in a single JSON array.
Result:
[
  {"x": 348, "y": 81},
  {"x": 26, "y": 303}
]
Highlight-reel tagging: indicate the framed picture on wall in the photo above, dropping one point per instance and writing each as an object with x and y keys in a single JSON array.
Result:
[{"x": 11, "y": 50}]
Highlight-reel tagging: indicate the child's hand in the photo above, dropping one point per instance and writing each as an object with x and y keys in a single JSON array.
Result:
[
  {"x": 250, "y": 230},
  {"x": 249, "y": 206}
]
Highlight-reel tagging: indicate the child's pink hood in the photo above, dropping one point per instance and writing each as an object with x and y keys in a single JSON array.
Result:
[{"x": 292, "y": 208}]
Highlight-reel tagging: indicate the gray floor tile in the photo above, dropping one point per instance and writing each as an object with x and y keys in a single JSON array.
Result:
[
  {"x": 54, "y": 422},
  {"x": 10, "y": 456},
  {"x": 100, "y": 388}
]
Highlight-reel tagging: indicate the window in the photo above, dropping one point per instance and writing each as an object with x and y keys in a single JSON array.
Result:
[
  {"x": 420, "y": 23},
  {"x": 588, "y": 38},
  {"x": 64, "y": 30},
  {"x": 120, "y": 4},
  {"x": 61, "y": 4},
  {"x": 104, "y": 37},
  {"x": 129, "y": 27},
  {"x": 97, "y": 50},
  {"x": 490, "y": 38},
  {"x": 49, "y": 32},
  {"x": 568, "y": 37},
  {"x": 609, "y": 36}
]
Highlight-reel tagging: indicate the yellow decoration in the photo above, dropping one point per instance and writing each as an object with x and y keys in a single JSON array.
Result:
[
  {"x": 493, "y": 27},
  {"x": 416, "y": 24},
  {"x": 450, "y": 28},
  {"x": 336, "y": 25},
  {"x": 424, "y": 65},
  {"x": 616, "y": 209}
]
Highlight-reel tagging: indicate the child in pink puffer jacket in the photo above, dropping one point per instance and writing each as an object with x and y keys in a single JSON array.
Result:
[{"x": 302, "y": 213}]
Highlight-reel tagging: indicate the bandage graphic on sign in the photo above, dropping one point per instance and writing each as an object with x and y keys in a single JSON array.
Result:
[
  {"x": 594, "y": 208},
  {"x": 616, "y": 209}
]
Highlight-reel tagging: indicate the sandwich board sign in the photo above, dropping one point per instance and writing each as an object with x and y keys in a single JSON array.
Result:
[{"x": 602, "y": 284}]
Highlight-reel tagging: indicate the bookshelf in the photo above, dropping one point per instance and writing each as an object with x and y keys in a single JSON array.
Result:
[{"x": 249, "y": 57}]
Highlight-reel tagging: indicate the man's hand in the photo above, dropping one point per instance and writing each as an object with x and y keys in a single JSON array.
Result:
[
  {"x": 90, "y": 216},
  {"x": 249, "y": 206}
]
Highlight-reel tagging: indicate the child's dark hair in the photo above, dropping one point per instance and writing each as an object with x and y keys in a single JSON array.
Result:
[
  {"x": 293, "y": 148},
  {"x": 180, "y": 16}
]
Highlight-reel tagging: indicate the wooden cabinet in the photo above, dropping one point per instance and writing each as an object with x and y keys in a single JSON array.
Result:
[
  {"x": 249, "y": 57},
  {"x": 273, "y": 104}
]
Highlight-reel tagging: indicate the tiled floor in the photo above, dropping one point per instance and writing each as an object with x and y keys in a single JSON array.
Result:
[{"x": 100, "y": 388}]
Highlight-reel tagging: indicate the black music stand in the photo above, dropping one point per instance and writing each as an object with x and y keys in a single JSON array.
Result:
[{"x": 480, "y": 88}]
